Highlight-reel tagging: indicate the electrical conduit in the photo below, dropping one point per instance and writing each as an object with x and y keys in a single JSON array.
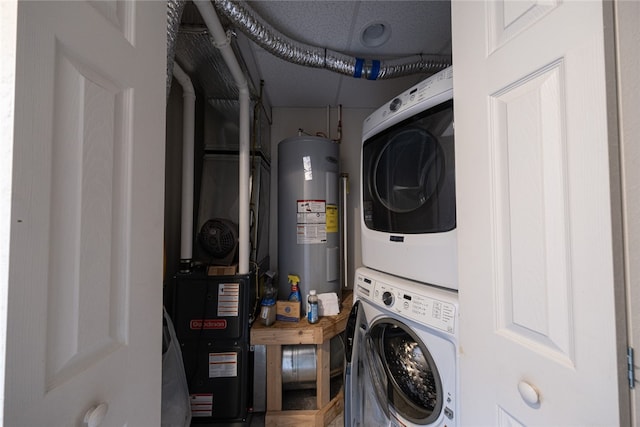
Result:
[{"x": 221, "y": 41}]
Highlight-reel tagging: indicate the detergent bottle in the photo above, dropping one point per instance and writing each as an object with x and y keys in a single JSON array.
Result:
[
  {"x": 268, "y": 304},
  {"x": 295, "y": 290}
]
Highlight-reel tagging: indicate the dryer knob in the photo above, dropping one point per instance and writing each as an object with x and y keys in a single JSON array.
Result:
[{"x": 387, "y": 298}]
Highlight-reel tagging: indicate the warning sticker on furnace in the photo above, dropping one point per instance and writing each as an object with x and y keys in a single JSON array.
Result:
[
  {"x": 223, "y": 365},
  {"x": 201, "y": 404},
  {"x": 228, "y": 299}
]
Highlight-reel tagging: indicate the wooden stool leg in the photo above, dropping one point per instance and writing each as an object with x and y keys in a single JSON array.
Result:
[
  {"x": 323, "y": 373},
  {"x": 274, "y": 378}
]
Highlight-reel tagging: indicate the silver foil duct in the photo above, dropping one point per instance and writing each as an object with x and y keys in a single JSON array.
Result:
[
  {"x": 269, "y": 39},
  {"x": 247, "y": 21},
  {"x": 174, "y": 15},
  {"x": 199, "y": 57}
]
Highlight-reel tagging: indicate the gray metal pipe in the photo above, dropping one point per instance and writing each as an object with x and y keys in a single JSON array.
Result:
[{"x": 344, "y": 230}]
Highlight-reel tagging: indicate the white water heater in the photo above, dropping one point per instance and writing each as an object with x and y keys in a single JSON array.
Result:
[{"x": 308, "y": 230}]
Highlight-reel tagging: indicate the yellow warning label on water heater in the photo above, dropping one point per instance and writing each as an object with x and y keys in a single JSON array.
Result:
[{"x": 332, "y": 218}]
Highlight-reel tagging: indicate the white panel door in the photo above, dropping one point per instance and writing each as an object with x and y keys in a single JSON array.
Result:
[
  {"x": 538, "y": 222},
  {"x": 84, "y": 297}
]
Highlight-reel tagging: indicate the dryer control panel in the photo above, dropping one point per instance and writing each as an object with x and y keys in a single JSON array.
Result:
[
  {"x": 424, "y": 95},
  {"x": 423, "y": 304}
]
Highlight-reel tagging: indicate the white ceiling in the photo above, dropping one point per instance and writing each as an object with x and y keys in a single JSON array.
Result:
[{"x": 417, "y": 27}]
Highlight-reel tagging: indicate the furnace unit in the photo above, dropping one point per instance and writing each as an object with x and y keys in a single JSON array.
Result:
[{"x": 212, "y": 317}]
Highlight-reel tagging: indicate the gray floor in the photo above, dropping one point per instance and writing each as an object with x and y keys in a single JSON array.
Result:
[
  {"x": 299, "y": 399},
  {"x": 296, "y": 399},
  {"x": 257, "y": 420},
  {"x": 291, "y": 400},
  {"x": 303, "y": 399}
]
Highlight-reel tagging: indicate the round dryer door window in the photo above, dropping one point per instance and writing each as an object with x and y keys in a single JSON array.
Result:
[
  {"x": 414, "y": 388},
  {"x": 408, "y": 170}
]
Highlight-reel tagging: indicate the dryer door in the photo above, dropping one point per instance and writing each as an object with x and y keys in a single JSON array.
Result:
[
  {"x": 413, "y": 386},
  {"x": 408, "y": 175}
]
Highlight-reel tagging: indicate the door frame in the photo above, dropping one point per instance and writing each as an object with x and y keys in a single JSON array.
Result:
[{"x": 627, "y": 38}]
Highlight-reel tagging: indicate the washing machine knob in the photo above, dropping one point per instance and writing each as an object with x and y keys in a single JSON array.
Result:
[
  {"x": 395, "y": 104},
  {"x": 387, "y": 298}
]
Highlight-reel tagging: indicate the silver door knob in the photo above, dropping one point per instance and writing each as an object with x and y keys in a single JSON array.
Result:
[{"x": 95, "y": 415}]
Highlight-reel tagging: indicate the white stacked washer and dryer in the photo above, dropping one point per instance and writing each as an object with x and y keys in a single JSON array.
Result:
[{"x": 402, "y": 334}]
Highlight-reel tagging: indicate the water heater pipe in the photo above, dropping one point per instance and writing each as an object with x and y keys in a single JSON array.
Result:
[
  {"x": 344, "y": 231},
  {"x": 221, "y": 41},
  {"x": 329, "y": 121},
  {"x": 188, "y": 125}
]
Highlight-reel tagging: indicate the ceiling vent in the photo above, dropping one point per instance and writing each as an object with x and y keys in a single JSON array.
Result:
[{"x": 375, "y": 34}]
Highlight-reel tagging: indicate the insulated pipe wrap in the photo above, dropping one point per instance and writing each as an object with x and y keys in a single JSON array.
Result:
[
  {"x": 418, "y": 65},
  {"x": 269, "y": 39},
  {"x": 188, "y": 132},
  {"x": 281, "y": 46}
]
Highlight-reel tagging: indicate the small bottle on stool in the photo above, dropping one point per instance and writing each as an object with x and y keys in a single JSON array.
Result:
[{"x": 312, "y": 307}]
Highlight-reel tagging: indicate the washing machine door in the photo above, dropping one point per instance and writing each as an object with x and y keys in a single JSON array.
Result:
[
  {"x": 365, "y": 405},
  {"x": 350, "y": 354},
  {"x": 412, "y": 386},
  {"x": 409, "y": 177},
  {"x": 375, "y": 404}
]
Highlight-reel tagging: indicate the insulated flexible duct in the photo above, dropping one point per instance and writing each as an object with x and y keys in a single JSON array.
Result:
[{"x": 281, "y": 46}]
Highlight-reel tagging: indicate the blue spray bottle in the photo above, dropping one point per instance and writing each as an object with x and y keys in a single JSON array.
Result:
[{"x": 295, "y": 290}]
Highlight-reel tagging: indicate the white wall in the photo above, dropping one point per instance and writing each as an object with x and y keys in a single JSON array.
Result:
[{"x": 286, "y": 122}]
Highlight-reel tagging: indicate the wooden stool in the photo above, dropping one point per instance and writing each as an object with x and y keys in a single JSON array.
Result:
[{"x": 294, "y": 333}]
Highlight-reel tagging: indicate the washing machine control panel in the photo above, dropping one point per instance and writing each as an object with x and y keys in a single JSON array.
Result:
[
  {"x": 416, "y": 306},
  {"x": 387, "y": 298}
]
